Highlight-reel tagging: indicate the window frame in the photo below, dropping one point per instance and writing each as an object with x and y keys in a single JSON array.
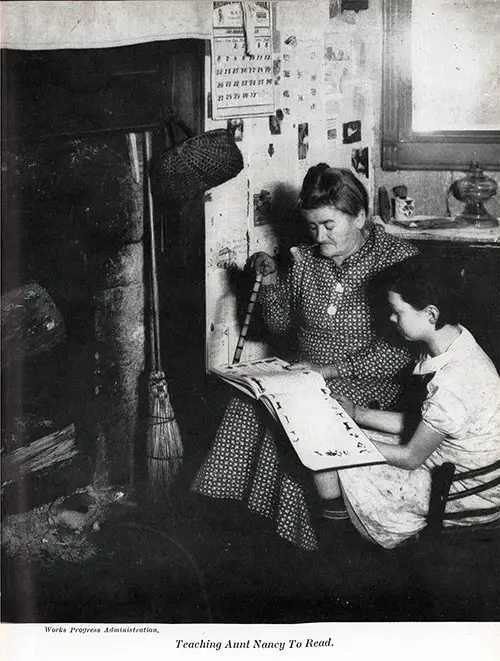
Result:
[{"x": 403, "y": 148}]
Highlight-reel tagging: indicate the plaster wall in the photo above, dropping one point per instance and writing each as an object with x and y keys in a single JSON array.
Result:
[
  {"x": 232, "y": 232},
  {"x": 322, "y": 79}
]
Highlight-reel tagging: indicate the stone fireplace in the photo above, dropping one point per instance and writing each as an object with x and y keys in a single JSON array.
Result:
[{"x": 73, "y": 235}]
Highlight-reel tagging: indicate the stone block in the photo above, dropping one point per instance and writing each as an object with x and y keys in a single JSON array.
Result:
[{"x": 117, "y": 267}]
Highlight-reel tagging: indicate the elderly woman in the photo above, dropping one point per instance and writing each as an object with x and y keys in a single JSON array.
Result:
[{"x": 323, "y": 299}]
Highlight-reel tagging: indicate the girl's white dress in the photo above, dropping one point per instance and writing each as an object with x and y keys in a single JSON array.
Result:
[{"x": 389, "y": 504}]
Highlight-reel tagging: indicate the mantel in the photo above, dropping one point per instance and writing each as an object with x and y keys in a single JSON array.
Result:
[
  {"x": 49, "y": 25},
  {"x": 59, "y": 94},
  {"x": 74, "y": 69}
]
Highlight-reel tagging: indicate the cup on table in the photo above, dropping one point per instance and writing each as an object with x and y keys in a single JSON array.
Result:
[{"x": 404, "y": 208}]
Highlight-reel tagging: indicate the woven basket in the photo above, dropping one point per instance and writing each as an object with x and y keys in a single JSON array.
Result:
[{"x": 197, "y": 164}]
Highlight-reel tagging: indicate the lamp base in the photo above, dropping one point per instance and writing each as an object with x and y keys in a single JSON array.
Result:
[{"x": 475, "y": 214}]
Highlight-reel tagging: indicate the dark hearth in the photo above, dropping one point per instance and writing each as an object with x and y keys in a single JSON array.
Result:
[
  {"x": 72, "y": 261},
  {"x": 75, "y": 354}
]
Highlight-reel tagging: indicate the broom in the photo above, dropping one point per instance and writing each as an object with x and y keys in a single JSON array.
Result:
[{"x": 164, "y": 444}]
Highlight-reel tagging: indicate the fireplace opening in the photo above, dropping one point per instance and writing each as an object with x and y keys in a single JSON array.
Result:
[{"x": 74, "y": 327}]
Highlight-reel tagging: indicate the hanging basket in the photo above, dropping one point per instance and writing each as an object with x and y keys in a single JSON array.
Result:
[{"x": 197, "y": 164}]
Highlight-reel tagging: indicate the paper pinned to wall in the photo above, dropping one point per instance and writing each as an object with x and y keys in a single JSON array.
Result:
[
  {"x": 302, "y": 141},
  {"x": 262, "y": 202},
  {"x": 258, "y": 206},
  {"x": 360, "y": 161},
  {"x": 275, "y": 122},
  {"x": 242, "y": 67},
  {"x": 351, "y": 131},
  {"x": 262, "y": 207},
  {"x": 332, "y": 129},
  {"x": 332, "y": 105},
  {"x": 301, "y": 18},
  {"x": 236, "y": 127},
  {"x": 301, "y": 83},
  {"x": 359, "y": 96},
  {"x": 338, "y": 61}
]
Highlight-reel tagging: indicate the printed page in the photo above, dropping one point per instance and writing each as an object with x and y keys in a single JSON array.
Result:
[
  {"x": 284, "y": 381},
  {"x": 321, "y": 432},
  {"x": 241, "y": 375},
  {"x": 270, "y": 375},
  {"x": 252, "y": 367},
  {"x": 245, "y": 388}
]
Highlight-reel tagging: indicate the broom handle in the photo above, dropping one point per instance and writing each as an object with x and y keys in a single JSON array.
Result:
[
  {"x": 244, "y": 329},
  {"x": 155, "y": 306}
]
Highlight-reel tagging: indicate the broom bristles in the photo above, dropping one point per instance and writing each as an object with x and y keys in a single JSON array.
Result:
[{"x": 164, "y": 444}]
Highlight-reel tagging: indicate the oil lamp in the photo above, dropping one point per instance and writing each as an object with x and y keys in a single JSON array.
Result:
[{"x": 475, "y": 189}]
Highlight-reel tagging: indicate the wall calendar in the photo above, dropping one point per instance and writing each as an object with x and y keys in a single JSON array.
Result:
[{"x": 242, "y": 60}]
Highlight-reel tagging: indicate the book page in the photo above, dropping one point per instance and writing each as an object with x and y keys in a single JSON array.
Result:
[
  {"x": 321, "y": 432},
  {"x": 243, "y": 375},
  {"x": 251, "y": 368},
  {"x": 270, "y": 375},
  {"x": 289, "y": 381}
]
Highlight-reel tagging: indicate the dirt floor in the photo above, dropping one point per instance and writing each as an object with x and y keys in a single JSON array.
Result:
[{"x": 197, "y": 560}]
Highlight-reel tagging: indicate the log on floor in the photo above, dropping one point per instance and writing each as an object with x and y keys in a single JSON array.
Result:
[{"x": 39, "y": 455}]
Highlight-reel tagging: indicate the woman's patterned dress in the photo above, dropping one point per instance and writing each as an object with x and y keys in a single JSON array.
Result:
[{"x": 329, "y": 310}]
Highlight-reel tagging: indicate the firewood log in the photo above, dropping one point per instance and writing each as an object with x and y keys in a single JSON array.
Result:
[
  {"x": 39, "y": 455},
  {"x": 31, "y": 323}
]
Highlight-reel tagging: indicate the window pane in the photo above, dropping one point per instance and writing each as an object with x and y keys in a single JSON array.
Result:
[{"x": 455, "y": 58}]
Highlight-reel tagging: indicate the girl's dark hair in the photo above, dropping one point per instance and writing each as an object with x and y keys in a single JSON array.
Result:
[
  {"x": 420, "y": 283},
  {"x": 338, "y": 187}
]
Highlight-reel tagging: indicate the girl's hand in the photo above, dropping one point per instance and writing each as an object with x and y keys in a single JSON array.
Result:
[
  {"x": 348, "y": 405},
  {"x": 326, "y": 371}
]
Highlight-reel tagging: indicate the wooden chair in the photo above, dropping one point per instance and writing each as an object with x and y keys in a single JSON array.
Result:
[{"x": 442, "y": 479}]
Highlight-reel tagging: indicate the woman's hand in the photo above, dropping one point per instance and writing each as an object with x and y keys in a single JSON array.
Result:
[
  {"x": 326, "y": 371},
  {"x": 263, "y": 263}
]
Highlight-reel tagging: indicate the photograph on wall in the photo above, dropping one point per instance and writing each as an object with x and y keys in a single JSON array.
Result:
[
  {"x": 262, "y": 207},
  {"x": 351, "y": 132},
  {"x": 303, "y": 140},
  {"x": 275, "y": 122},
  {"x": 360, "y": 162},
  {"x": 236, "y": 127}
]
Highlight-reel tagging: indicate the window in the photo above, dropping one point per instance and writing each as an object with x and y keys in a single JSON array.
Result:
[{"x": 440, "y": 86}]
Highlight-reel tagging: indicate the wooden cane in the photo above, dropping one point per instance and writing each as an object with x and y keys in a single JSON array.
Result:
[{"x": 244, "y": 329}]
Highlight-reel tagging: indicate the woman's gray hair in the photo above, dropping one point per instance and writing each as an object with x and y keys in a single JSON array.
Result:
[{"x": 338, "y": 187}]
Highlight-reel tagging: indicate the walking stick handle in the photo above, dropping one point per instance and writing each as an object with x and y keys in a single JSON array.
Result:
[{"x": 244, "y": 329}]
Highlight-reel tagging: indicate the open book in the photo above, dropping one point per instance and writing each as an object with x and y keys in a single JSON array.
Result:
[{"x": 322, "y": 433}]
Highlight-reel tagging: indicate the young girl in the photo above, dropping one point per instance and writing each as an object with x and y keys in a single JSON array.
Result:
[{"x": 460, "y": 417}]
